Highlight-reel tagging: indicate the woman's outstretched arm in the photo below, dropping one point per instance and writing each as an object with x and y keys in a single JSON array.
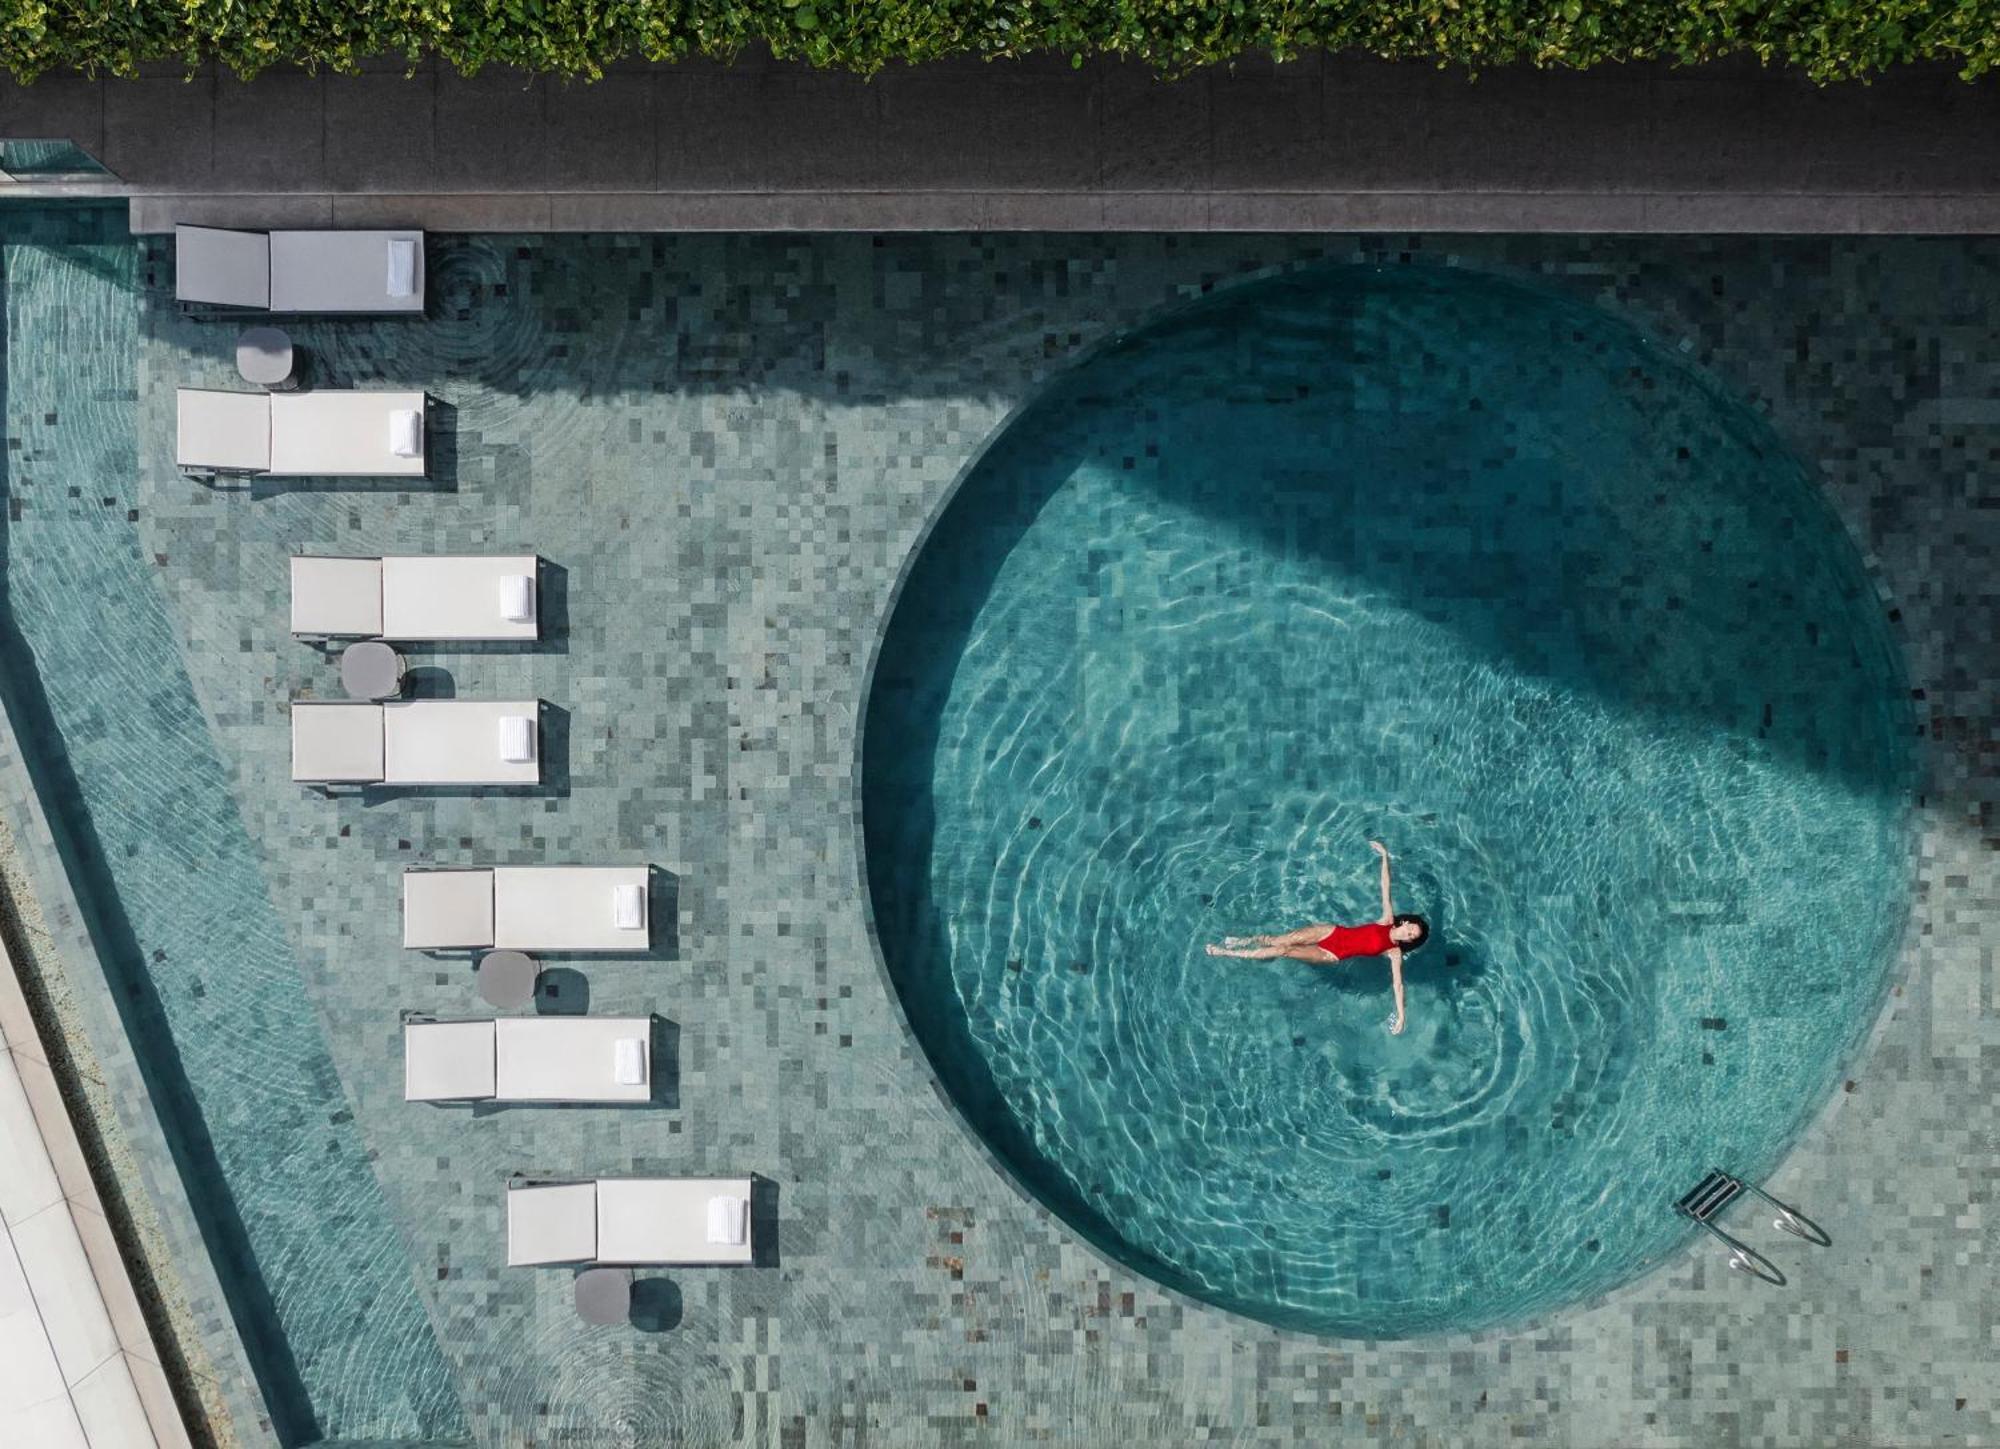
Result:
[
  {"x": 1396, "y": 982},
  {"x": 1388, "y": 911}
]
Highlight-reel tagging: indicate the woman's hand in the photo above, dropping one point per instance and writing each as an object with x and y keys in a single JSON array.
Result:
[
  {"x": 1379, "y": 848},
  {"x": 1396, "y": 1024}
]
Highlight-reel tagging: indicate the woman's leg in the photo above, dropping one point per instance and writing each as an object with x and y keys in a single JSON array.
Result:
[
  {"x": 1303, "y": 936},
  {"x": 1302, "y": 952}
]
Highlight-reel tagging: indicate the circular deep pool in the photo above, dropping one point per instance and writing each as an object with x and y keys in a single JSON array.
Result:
[{"x": 1419, "y": 555}]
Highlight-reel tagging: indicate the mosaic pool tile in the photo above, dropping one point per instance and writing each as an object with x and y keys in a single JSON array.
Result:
[{"x": 728, "y": 448}]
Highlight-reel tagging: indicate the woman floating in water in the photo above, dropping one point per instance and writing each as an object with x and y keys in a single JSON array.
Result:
[{"x": 1393, "y": 936}]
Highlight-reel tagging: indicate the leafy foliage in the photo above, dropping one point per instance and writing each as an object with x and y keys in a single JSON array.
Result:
[{"x": 1829, "y": 39}]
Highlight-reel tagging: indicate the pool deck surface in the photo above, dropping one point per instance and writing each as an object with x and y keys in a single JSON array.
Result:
[
  {"x": 82, "y": 1369},
  {"x": 1339, "y": 143},
  {"x": 727, "y": 447}
]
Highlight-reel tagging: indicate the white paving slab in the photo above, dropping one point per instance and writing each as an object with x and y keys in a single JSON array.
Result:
[
  {"x": 51, "y": 1425},
  {"x": 28, "y": 1182},
  {"x": 33, "y": 1376},
  {"x": 68, "y": 1379},
  {"x": 107, "y": 1405},
  {"x": 65, "y": 1292}
]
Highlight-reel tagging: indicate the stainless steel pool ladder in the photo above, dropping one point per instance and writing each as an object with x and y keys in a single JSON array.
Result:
[{"x": 1716, "y": 1192}]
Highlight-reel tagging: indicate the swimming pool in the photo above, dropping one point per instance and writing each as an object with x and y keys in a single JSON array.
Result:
[
  {"x": 1417, "y": 554},
  {"x": 231, "y": 1045}
]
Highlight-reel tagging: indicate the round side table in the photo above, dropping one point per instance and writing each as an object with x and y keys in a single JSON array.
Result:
[
  {"x": 604, "y": 1295},
  {"x": 507, "y": 978},
  {"x": 264, "y": 356},
  {"x": 371, "y": 670}
]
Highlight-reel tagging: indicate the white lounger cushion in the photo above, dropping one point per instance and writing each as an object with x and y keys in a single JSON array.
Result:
[
  {"x": 664, "y": 1220},
  {"x": 340, "y": 434},
  {"x": 447, "y": 909},
  {"x": 448, "y": 1061},
  {"x": 624, "y": 1220},
  {"x": 551, "y": 1223},
  {"x": 522, "y": 908},
  {"x": 525, "y": 1059},
  {"x": 408, "y": 742},
  {"x": 337, "y": 744},
  {"x": 563, "y": 908},
  {"x": 343, "y": 271},
  {"x": 294, "y": 434},
  {"x": 223, "y": 268},
  {"x": 628, "y": 906},
  {"x": 337, "y": 598},
  {"x": 300, "y": 271},
  {"x": 452, "y": 596},
  {"x": 568, "y": 1059},
  {"x": 453, "y": 742},
  {"x": 230, "y": 431}
]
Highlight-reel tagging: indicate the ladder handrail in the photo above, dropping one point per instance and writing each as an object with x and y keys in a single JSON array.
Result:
[
  {"x": 1793, "y": 1222},
  {"x": 1726, "y": 1187},
  {"x": 1746, "y": 1259}
]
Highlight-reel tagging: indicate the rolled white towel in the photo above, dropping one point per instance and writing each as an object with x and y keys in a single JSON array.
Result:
[
  {"x": 728, "y": 1220},
  {"x": 517, "y": 739},
  {"x": 406, "y": 433},
  {"x": 517, "y": 598},
  {"x": 628, "y": 907},
  {"x": 628, "y": 1062},
  {"x": 402, "y": 267}
]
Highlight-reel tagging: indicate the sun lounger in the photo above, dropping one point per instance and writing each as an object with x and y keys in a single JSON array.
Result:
[
  {"x": 300, "y": 271},
  {"x": 527, "y": 908},
  {"x": 302, "y": 434},
  {"x": 417, "y": 742},
  {"x": 529, "y": 1059},
  {"x": 687, "y": 1221},
  {"x": 437, "y": 597}
]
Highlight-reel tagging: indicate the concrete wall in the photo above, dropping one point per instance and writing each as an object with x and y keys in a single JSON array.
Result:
[{"x": 1315, "y": 144}]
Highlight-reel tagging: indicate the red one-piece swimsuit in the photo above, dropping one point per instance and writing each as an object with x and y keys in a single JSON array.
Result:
[{"x": 1348, "y": 941}]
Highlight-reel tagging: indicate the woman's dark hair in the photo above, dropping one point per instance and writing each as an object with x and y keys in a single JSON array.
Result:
[{"x": 1423, "y": 926}]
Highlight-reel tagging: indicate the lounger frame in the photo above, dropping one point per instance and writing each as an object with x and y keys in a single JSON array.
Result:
[
  {"x": 228, "y": 432},
  {"x": 547, "y": 908},
  {"x": 523, "y": 1059},
  {"x": 431, "y": 598},
  {"x": 421, "y": 743},
  {"x": 236, "y": 272},
  {"x": 634, "y": 1222}
]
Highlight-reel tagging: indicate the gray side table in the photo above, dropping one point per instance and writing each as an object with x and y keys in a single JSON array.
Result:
[
  {"x": 371, "y": 670},
  {"x": 507, "y": 978},
  {"x": 264, "y": 356},
  {"x": 604, "y": 1295}
]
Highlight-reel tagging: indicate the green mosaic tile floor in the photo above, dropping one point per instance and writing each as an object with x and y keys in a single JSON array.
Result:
[{"x": 727, "y": 448}]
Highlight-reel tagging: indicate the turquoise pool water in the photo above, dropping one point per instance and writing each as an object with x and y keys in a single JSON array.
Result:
[
  {"x": 317, "y": 1276},
  {"x": 1420, "y": 555}
]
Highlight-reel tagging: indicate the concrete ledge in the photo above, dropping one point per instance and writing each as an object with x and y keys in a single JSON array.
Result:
[
  {"x": 822, "y": 211},
  {"x": 1321, "y": 143}
]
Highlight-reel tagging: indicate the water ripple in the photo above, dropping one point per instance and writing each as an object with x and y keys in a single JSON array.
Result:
[{"x": 1434, "y": 560}]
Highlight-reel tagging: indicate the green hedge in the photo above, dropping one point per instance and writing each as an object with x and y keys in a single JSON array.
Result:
[{"x": 1828, "y": 39}]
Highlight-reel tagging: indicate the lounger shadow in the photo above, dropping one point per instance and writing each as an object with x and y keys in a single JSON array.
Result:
[
  {"x": 657, "y": 1305},
  {"x": 763, "y": 1222},
  {"x": 562, "y": 991}
]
